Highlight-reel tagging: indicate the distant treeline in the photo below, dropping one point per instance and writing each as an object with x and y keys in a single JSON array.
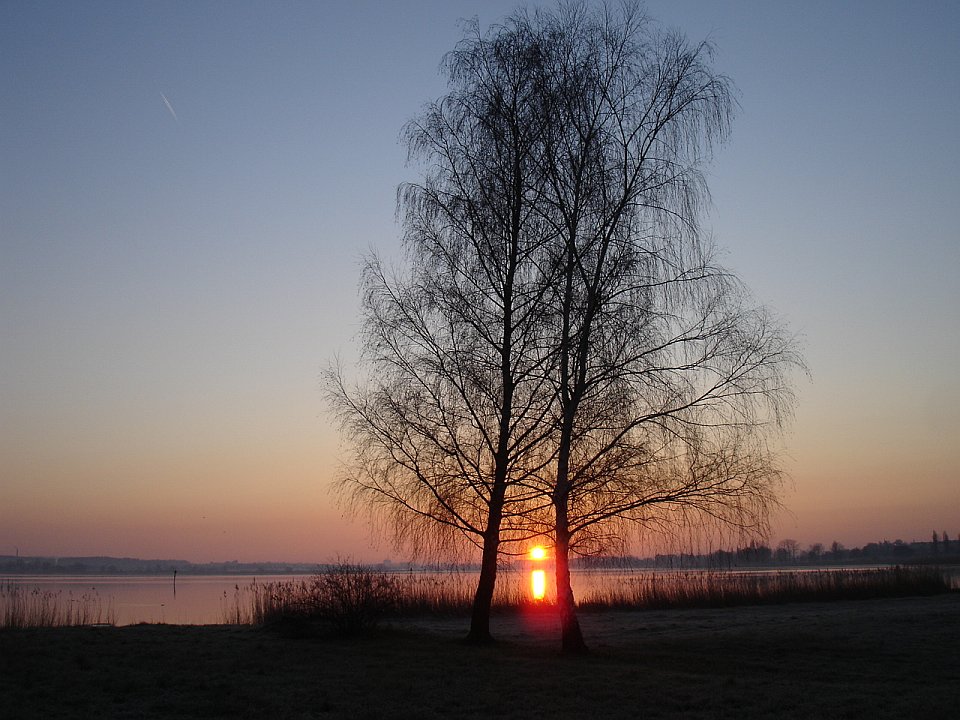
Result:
[{"x": 941, "y": 549}]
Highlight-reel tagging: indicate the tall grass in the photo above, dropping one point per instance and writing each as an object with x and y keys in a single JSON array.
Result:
[
  {"x": 726, "y": 588},
  {"x": 451, "y": 593},
  {"x": 350, "y": 598},
  {"x": 22, "y": 607}
]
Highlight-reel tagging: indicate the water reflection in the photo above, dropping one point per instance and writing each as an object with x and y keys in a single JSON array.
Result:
[{"x": 186, "y": 600}]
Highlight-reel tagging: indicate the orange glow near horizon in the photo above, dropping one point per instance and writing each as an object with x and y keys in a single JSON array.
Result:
[
  {"x": 538, "y": 553},
  {"x": 538, "y": 584}
]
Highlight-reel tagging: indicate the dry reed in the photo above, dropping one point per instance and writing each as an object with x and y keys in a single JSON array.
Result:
[
  {"x": 724, "y": 588},
  {"x": 451, "y": 593},
  {"x": 22, "y": 607}
]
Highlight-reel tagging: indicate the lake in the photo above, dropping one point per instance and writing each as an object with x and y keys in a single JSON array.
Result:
[{"x": 194, "y": 600}]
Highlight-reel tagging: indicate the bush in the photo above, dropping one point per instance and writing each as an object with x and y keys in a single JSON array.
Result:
[{"x": 344, "y": 598}]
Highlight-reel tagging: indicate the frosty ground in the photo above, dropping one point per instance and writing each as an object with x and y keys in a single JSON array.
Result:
[{"x": 890, "y": 658}]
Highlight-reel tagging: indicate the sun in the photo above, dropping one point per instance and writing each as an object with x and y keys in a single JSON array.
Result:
[{"x": 537, "y": 553}]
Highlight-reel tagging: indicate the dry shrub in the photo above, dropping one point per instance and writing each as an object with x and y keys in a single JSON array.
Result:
[{"x": 345, "y": 598}]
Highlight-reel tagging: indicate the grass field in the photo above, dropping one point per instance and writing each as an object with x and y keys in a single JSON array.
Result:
[{"x": 886, "y": 658}]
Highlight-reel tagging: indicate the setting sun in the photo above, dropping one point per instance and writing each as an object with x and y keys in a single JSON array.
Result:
[{"x": 538, "y": 553}]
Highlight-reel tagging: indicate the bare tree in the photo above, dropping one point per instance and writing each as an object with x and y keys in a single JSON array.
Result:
[
  {"x": 564, "y": 357},
  {"x": 787, "y": 550},
  {"x": 666, "y": 379},
  {"x": 836, "y": 550},
  {"x": 452, "y": 417}
]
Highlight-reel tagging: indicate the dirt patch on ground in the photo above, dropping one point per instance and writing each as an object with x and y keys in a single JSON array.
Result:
[{"x": 869, "y": 659}]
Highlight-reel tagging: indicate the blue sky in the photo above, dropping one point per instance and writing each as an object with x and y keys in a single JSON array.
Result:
[{"x": 171, "y": 286}]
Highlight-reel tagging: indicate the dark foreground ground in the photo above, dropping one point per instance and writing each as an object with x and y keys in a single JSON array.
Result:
[{"x": 868, "y": 659}]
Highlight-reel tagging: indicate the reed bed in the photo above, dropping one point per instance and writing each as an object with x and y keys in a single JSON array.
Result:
[
  {"x": 724, "y": 588},
  {"x": 352, "y": 597},
  {"x": 22, "y": 607},
  {"x": 451, "y": 593}
]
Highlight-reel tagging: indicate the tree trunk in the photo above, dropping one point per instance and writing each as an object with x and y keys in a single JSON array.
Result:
[
  {"x": 571, "y": 637},
  {"x": 483, "y": 599}
]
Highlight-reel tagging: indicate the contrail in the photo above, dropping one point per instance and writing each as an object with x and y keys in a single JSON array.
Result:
[{"x": 170, "y": 108}]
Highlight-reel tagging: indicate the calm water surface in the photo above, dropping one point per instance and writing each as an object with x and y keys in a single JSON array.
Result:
[{"x": 195, "y": 600}]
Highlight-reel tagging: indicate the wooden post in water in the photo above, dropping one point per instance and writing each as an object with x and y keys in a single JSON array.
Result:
[{"x": 174, "y": 581}]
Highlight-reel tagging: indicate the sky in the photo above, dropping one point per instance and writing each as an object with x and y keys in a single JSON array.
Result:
[{"x": 186, "y": 190}]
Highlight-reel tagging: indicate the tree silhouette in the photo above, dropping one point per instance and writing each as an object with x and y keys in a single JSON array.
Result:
[
  {"x": 454, "y": 414},
  {"x": 666, "y": 379},
  {"x": 562, "y": 355}
]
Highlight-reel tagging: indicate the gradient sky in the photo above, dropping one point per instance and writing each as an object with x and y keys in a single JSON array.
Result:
[{"x": 173, "y": 279}]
